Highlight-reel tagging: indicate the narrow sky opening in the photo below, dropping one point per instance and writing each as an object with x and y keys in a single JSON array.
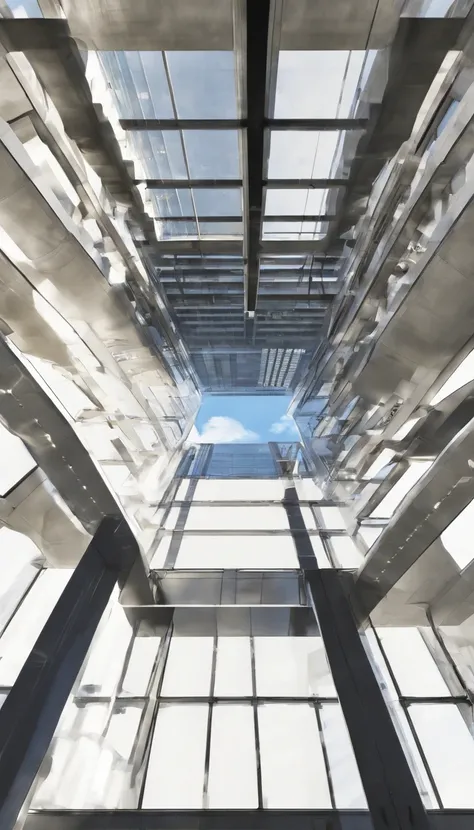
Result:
[{"x": 224, "y": 419}]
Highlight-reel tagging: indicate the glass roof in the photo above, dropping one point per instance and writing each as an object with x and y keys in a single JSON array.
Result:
[{"x": 317, "y": 84}]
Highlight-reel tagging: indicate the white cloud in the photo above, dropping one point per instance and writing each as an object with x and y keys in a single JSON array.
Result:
[
  {"x": 286, "y": 424},
  {"x": 222, "y": 430}
]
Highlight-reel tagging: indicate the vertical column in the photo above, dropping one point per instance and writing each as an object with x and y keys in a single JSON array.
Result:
[
  {"x": 33, "y": 707},
  {"x": 392, "y": 795}
]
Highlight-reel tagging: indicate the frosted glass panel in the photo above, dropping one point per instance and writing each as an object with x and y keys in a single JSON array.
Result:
[
  {"x": 87, "y": 769},
  {"x": 233, "y": 761},
  {"x": 233, "y": 667},
  {"x": 332, "y": 518},
  {"x": 172, "y": 518},
  {"x": 237, "y": 518},
  {"x": 395, "y": 496},
  {"x": 370, "y": 534},
  {"x": 321, "y": 555},
  {"x": 106, "y": 657},
  {"x": 21, "y": 634},
  {"x": 259, "y": 552},
  {"x": 346, "y": 552},
  {"x": 188, "y": 667},
  {"x": 140, "y": 665},
  {"x": 175, "y": 774},
  {"x": 239, "y": 490},
  {"x": 17, "y": 553},
  {"x": 159, "y": 557},
  {"x": 348, "y": 791},
  {"x": 308, "y": 517},
  {"x": 411, "y": 663},
  {"x": 16, "y": 460},
  {"x": 307, "y": 490},
  {"x": 292, "y": 667},
  {"x": 449, "y": 749},
  {"x": 293, "y": 771}
]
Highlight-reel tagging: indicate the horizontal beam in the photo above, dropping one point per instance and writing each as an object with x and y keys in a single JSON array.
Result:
[
  {"x": 210, "y": 184},
  {"x": 316, "y": 124},
  {"x": 287, "y": 217},
  {"x": 224, "y": 819}
]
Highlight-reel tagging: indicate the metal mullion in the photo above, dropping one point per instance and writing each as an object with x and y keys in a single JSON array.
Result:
[
  {"x": 322, "y": 740},
  {"x": 207, "y": 757},
  {"x": 150, "y": 730},
  {"x": 255, "y": 723},
  {"x": 181, "y": 136},
  {"x": 404, "y": 707},
  {"x": 113, "y": 697}
]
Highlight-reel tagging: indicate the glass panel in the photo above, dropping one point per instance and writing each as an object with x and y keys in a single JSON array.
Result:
[
  {"x": 292, "y": 667},
  {"x": 270, "y": 517},
  {"x": 293, "y": 770},
  {"x": 449, "y": 749},
  {"x": 106, "y": 656},
  {"x": 203, "y": 84},
  {"x": 300, "y": 92},
  {"x": 171, "y": 519},
  {"x": 293, "y": 230},
  {"x": 20, "y": 561},
  {"x": 159, "y": 557},
  {"x": 332, "y": 518},
  {"x": 24, "y": 8},
  {"x": 295, "y": 202},
  {"x": 457, "y": 537},
  {"x": 140, "y": 665},
  {"x": 169, "y": 202},
  {"x": 22, "y": 632},
  {"x": 175, "y": 775},
  {"x": 307, "y": 490},
  {"x": 175, "y": 230},
  {"x": 395, "y": 496},
  {"x": 16, "y": 461},
  {"x": 308, "y": 517},
  {"x": 139, "y": 84},
  {"x": 212, "y": 154},
  {"x": 411, "y": 662},
  {"x": 321, "y": 555},
  {"x": 188, "y": 667},
  {"x": 302, "y": 155},
  {"x": 370, "y": 534},
  {"x": 259, "y": 552},
  {"x": 160, "y": 154},
  {"x": 347, "y": 786},
  {"x": 233, "y": 760},
  {"x": 239, "y": 490},
  {"x": 346, "y": 552},
  {"x": 218, "y": 201},
  {"x": 233, "y": 667},
  {"x": 221, "y": 228},
  {"x": 86, "y": 769}
]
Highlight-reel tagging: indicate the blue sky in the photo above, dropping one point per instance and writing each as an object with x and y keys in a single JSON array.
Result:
[{"x": 245, "y": 419}]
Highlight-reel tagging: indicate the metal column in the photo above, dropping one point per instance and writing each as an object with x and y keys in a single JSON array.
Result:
[
  {"x": 34, "y": 705},
  {"x": 392, "y": 795}
]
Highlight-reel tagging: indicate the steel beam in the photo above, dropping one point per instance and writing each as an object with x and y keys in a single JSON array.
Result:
[
  {"x": 272, "y": 184},
  {"x": 317, "y": 124},
  {"x": 33, "y": 707},
  {"x": 288, "y": 217},
  {"x": 391, "y": 792}
]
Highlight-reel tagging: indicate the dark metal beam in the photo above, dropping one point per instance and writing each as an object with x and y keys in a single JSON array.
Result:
[
  {"x": 272, "y": 184},
  {"x": 317, "y": 124},
  {"x": 33, "y": 707},
  {"x": 391, "y": 792},
  {"x": 288, "y": 217}
]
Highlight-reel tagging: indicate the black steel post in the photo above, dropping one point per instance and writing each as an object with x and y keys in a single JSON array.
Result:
[
  {"x": 33, "y": 707},
  {"x": 391, "y": 792}
]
